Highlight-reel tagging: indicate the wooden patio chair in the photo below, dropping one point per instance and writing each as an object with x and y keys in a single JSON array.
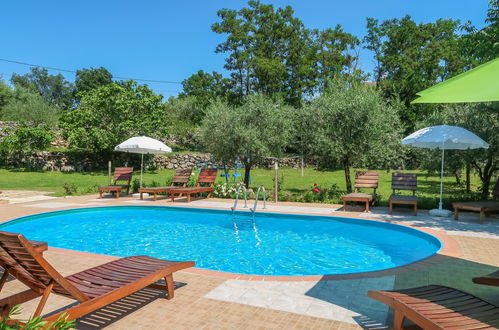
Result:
[
  {"x": 482, "y": 206},
  {"x": 206, "y": 176},
  {"x": 123, "y": 174},
  {"x": 362, "y": 180},
  {"x": 404, "y": 181},
  {"x": 439, "y": 307},
  {"x": 181, "y": 178},
  {"x": 92, "y": 288}
]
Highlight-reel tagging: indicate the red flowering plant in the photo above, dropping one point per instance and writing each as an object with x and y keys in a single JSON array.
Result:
[{"x": 316, "y": 188}]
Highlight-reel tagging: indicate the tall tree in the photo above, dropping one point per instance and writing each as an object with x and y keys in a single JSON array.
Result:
[
  {"x": 26, "y": 105},
  {"x": 87, "y": 79},
  {"x": 258, "y": 128},
  {"x": 352, "y": 125},
  {"x": 270, "y": 51},
  {"x": 55, "y": 89}
]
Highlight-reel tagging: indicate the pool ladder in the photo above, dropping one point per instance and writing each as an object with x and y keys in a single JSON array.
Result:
[
  {"x": 241, "y": 185},
  {"x": 256, "y": 199}
]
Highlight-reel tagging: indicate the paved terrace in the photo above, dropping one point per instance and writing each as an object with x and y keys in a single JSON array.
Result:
[{"x": 207, "y": 300}]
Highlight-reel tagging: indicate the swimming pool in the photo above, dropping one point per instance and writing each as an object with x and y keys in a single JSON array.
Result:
[{"x": 263, "y": 244}]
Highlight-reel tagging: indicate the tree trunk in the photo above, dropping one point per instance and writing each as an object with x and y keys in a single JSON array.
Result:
[
  {"x": 457, "y": 175},
  {"x": 346, "y": 167},
  {"x": 247, "y": 171},
  {"x": 468, "y": 181}
]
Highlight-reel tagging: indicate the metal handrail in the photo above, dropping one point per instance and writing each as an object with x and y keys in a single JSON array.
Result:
[
  {"x": 256, "y": 198},
  {"x": 233, "y": 208}
]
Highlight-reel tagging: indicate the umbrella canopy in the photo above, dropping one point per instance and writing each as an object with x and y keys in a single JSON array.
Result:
[
  {"x": 480, "y": 84},
  {"x": 143, "y": 145},
  {"x": 444, "y": 137}
]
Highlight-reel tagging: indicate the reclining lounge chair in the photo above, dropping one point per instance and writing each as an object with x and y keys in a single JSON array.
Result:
[
  {"x": 483, "y": 206},
  {"x": 181, "y": 177},
  {"x": 120, "y": 174},
  {"x": 362, "y": 180},
  {"x": 206, "y": 176},
  {"x": 404, "y": 181},
  {"x": 93, "y": 288}
]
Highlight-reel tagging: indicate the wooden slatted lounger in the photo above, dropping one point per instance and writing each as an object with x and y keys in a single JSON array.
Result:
[
  {"x": 439, "y": 307},
  {"x": 483, "y": 207},
  {"x": 362, "y": 180},
  {"x": 181, "y": 177},
  {"x": 120, "y": 174},
  {"x": 207, "y": 175},
  {"x": 93, "y": 288},
  {"x": 404, "y": 181}
]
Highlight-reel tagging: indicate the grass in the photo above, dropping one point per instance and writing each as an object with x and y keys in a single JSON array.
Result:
[{"x": 293, "y": 182}]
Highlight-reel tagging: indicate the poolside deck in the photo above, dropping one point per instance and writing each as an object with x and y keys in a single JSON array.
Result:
[{"x": 207, "y": 300}]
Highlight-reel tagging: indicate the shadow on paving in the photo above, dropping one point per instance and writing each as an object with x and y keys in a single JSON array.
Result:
[
  {"x": 114, "y": 312},
  {"x": 350, "y": 291}
]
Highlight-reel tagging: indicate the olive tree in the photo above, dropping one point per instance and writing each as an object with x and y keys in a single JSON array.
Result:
[
  {"x": 256, "y": 129},
  {"x": 351, "y": 124}
]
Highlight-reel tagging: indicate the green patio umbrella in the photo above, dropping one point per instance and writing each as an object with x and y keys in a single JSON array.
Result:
[{"x": 480, "y": 84}]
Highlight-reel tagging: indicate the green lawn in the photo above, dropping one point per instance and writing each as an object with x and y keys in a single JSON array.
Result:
[{"x": 293, "y": 183}]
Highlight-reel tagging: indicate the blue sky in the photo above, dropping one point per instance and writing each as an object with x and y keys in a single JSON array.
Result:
[{"x": 170, "y": 40}]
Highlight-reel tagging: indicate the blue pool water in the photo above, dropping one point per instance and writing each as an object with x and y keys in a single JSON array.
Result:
[{"x": 266, "y": 244}]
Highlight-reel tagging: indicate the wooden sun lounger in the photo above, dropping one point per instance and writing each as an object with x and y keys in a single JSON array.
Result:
[
  {"x": 207, "y": 175},
  {"x": 439, "y": 307},
  {"x": 362, "y": 180},
  {"x": 93, "y": 288},
  {"x": 483, "y": 207},
  {"x": 404, "y": 181},
  {"x": 181, "y": 177},
  {"x": 120, "y": 174}
]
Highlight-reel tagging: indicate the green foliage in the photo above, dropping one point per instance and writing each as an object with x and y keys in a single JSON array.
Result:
[
  {"x": 113, "y": 113},
  {"x": 28, "y": 106},
  {"x": 206, "y": 88},
  {"x": 88, "y": 79},
  {"x": 70, "y": 189},
  {"x": 352, "y": 125},
  {"x": 5, "y": 94},
  {"x": 36, "y": 323},
  {"x": 54, "y": 89},
  {"x": 271, "y": 52},
  {"x": 25, "y": 139},
  {"x": 258, "y": 128}
]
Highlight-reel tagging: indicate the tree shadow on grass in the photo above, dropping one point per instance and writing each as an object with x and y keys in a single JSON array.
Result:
[{"x": 350, "y": 291}]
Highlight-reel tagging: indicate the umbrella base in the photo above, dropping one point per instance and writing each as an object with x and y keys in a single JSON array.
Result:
[{"x": 440, "y": 213}]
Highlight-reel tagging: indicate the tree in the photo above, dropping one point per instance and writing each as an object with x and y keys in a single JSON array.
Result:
[
  {"x": 352, "y": 125},
  {"x": 258, "y": 128},
  {"x": 26, "y": 105},
  {"x": 54, "y": 89},
  {"x": 112, "y": 113},
  {"x": 271, "y": 52},
  {"x": 87, "y": 79},
  {"x": 206, "y": 88},
  {"x": 483, "y": 120},
  {"x": 5, "y": 94},
  {"x": 411, "y": 57}
]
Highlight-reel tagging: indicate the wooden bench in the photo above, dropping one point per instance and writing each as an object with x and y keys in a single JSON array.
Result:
[
  {"x": 206, "y": 176},
  {"x": 181, "y": 177},
  {"x": 482, "y": 206},
  {"x": 439, "y": 307},
  {"x": 120, "y": 174},
  {"x": 362, "y": 180},
  {"x": 404, "y": 181}
]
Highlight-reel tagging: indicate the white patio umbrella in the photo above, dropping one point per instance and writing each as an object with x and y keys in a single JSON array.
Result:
[
  {"x": 444, "y": 137},
  {"x": 143, "y": 145}
]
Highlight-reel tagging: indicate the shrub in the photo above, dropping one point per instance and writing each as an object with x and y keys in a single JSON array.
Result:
[
  {"x": 70, "y": 189},
  {"x": 62, "y": 323}
]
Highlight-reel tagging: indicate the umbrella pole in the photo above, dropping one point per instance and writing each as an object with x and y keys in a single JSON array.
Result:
[
  {"x": 141, "y": 168},
  {"x": 441, "y": 178}
]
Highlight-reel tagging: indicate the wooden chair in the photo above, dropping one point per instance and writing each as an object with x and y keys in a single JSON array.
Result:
[
  {"x": 439, "y": 307},
  {"x": 404, "y": 181},
  {"x": 92, "y": 288},
  {"x": 120, "y": 174},
  {"x": 181, "y": 177},
  {"x": 362, "y": 180},
  {"x": 483, "y": 206},
  {"x": 206, "y": 176}
]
